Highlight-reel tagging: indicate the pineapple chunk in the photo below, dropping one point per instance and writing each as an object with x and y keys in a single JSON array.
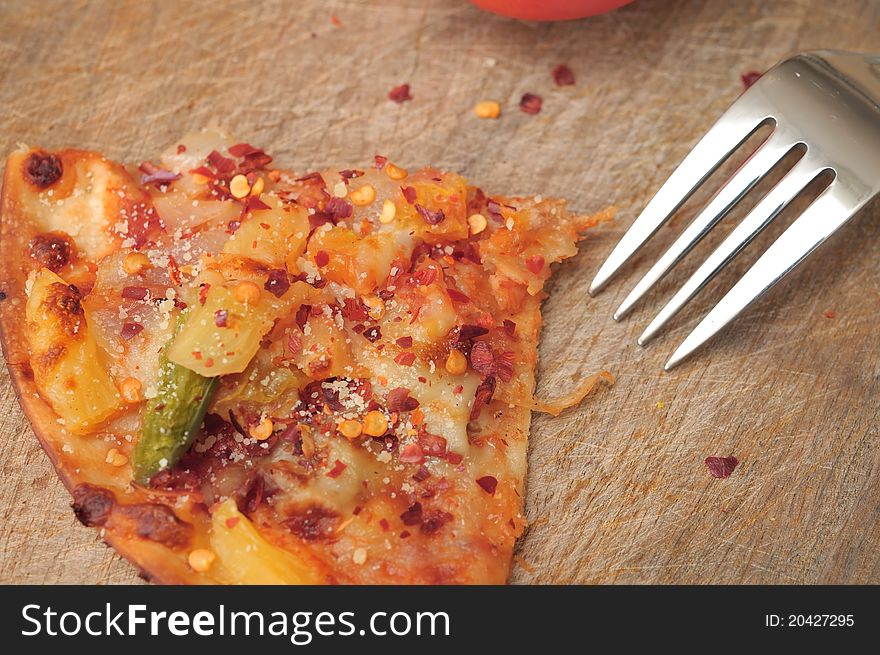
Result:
[
  {"x": 362, "y": 263},
  {"x": 275, "y": 236},
  {"x": 64, "y": 356},
  {"x": 435, "y": 191},
  {"x": 325, "y": 350},
  {"x": 223, "y": 334},
  {"x": 245, "y": 557}
]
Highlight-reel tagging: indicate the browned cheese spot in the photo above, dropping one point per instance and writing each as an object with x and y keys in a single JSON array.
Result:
[
  {"x": 92, "y": 505},
  {"x": 157, "y": 523},
  {"x": 42, "y": 169},
  {"x": 52, "y": 250},
  {"x": 312, "y": 523}
]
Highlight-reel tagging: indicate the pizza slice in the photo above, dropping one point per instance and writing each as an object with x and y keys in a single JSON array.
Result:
[{"x": 245, "y": 375}]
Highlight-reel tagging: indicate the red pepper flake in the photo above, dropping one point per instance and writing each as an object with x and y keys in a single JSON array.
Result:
[
  {"x": 412, "y": 454},
  {"x": 302, "y": 315},
  {"x": 750, "y": 78},
  {"x": 409, "y": 193},
  {"x": 405, "y": 359},
  {"x": 509, "y": 327},
  {"x": 350, "y": 173},
  {"x": 432, "y": 445},
  {"x": 413, "y": 515},
  {"x": 135, "y": 293},
  {"x": 434, "y": 521},
  {"x": 488, "y": 483},
  {"x": 203, "y": 293},
  {"x": 425, "y": 276},
  {"x": 223, "y": 165},
  {"x": 244, "y": 150},
  {"x": 493, "y": 208},
  {"x": 338, "y": 468},
  {"x": 482, "y": 359},
  {"x": 830, "y": 314},
  {"x": 209, "y": 362},
  {"x": 357, "y": 510},
  {"x": 563, "y": 76},
  {"x": 294, "y": 344},
  {"x": 310, "y": 178},
  {"x": 423, "y": 379},
  {"x": 454, "y": 458},
  {"x": 153, "y": 174},
  {"x": 338, "y": 208},
  {"x": 458, "y": 389},
  {"x": 254, "y": 204},
  {"x": 469, "y": 331},
  {"x": 504, "y": 364},
  {"x": 482, "y": 396},
  {"x": 379, "y": 162},
  {"x": 432, "y": 218},
  {"x": 457, "y": 296},
  {"x": 204, "y": 171},
  {"x": 530, "y": 103},
  {"x": 335, "y": 20},
  {"x": 404, "y": 534},
  {"x": 372, "y": 334},
  {"x": 197, "y": 355},
  {"x": 318, "y": 219},
  {"x": 173, "y": 271},
  {"x": 415, "y": 315},
  {"x": 354, "y": 310},
  {"x": 277, "y": 283},
  {"x": 535, "y": 264},
  {"x": 721, "y": 467},
  {"x": 232, "y": 522},
  {"x": 400, "y": 94},
  {"x": 383, "y": 523},
  {"x": 130, "y": 330},
  {"x": 421, "y": 475},
  {"x": 322, "y": 258},
  {"x": 399, "y": 400},
  {"x": 181, "y": 149},
  {"x": 221, "y": 317},
  {"x": 405, "y": 342}
]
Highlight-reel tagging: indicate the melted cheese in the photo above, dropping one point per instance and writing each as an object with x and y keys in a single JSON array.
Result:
[
  {"x": 342, "y": 492},
  {"x": 446, "y": 412},
  {"x": 88, "y": 205}
]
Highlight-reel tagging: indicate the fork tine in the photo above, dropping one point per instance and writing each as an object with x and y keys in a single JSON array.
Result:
[
  {"x": 765, "y": 211},
  {"x": 741, "y": 182},
  {"x": 732, "y": 129},
  {"x": 821, "y": 219}
]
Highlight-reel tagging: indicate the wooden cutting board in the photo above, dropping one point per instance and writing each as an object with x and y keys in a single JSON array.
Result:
[{"x": 617, "y": 490}]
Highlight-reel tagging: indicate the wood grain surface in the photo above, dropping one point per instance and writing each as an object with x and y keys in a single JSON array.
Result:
[{"x": 617, "y": 490}]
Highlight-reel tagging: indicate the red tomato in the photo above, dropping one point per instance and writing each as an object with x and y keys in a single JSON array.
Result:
[{"x": 549, "y": 9}]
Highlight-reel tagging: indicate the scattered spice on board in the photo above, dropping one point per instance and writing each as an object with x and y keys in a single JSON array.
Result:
[
  {"x": 563, "y": 76},
  {"x": 400, "y": 94},
  {"x": 750, "y": 78},
  {"x": 721, "y": 467},
  {"x": 530, "y": 103}
]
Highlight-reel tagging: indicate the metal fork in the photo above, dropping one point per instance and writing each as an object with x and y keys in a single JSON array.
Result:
[{"x": 826, "y": 103}]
